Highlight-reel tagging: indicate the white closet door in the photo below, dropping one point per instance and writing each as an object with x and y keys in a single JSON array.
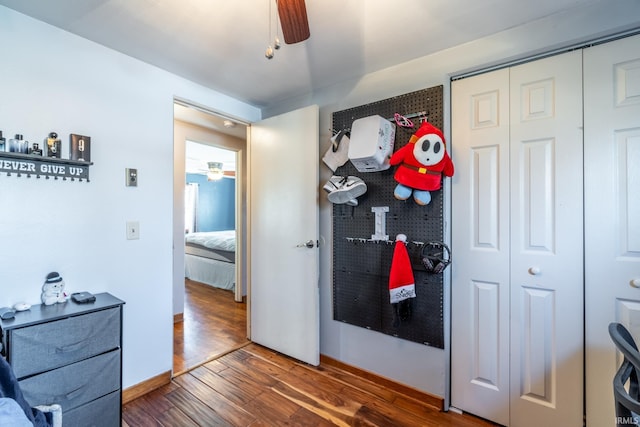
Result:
[
  {"x": 612, "y": 212},
  {"x": 480, "y": 242},
  {"x": 547, "y": 242},
  {"x": 517, "y": 276}
]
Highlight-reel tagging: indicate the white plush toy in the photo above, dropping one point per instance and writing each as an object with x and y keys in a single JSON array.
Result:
[{"x": 53, "y": 289}]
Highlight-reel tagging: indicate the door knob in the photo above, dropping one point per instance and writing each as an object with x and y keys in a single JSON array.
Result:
[
  {"x": 635, "y": 283},
  {"x": 534, "y": 271},
  {"x": 308, "y": 244}
]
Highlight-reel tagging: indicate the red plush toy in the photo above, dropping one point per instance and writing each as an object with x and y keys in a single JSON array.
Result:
[{"x": 422, "y": 162}]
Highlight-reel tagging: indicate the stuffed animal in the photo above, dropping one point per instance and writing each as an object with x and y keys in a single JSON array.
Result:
[
  {"x": 421, "y": 164},
  {"x": 53, "y": 289}
]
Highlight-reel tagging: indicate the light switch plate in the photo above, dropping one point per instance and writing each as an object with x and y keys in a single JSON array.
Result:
[
  {"x": 133, "y": 230},
  {"x": 131, "y": 177}
]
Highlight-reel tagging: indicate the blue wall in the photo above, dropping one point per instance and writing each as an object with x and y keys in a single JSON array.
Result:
[{"x": 216, "y": 203}]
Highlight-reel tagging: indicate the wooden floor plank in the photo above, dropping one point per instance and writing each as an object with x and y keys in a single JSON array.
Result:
[
  {"x": 228, "y": 410},
  {"x": 272, "y": 408},
  {"x": 223, "y": 386},
  {"x": 242, "y": 369},
  {"x": 335, "y": 410},
  {"x": 195, "y": 409},
  {"x": 304, "y": 418},
  {"x": 138, "y": 414},
  {"x": 267, "y": 368},
  {"x": 286, "y": 363},
  {"x": 175, "y": 417},
  {"x": 362, "y": 384},
  {"x": 378, "y": 410}
]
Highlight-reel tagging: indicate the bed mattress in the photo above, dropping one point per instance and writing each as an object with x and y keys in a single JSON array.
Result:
[{"x": 218, "y": 245}]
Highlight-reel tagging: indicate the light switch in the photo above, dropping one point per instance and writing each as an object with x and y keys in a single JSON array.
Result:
[
  {"x": 131, "y": 177},
  {"x": 133, "y": 230}
]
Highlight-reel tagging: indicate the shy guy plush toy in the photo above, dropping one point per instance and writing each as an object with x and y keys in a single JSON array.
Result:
[{"x": 421, "y": 164}]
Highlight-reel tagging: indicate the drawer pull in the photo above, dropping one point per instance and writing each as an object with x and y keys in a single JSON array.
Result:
[
  {"x": 75, "y": 393},
  {"x": 70, "y": 347},
  {"x": 74, "y": 346},
  {"x": 69, "y": 395}
]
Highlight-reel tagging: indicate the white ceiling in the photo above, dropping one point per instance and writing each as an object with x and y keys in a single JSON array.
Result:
[
  {"x": 221, "y": 44},
  {"x": 209, "y": 121}
]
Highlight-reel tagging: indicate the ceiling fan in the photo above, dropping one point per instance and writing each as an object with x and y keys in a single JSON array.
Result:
[
  {"x": 293, "y": 19},
  {"x": 214, "y": 171}
]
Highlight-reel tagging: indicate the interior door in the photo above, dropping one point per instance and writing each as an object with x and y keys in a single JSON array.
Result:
[
  {"x": 283, "y": 234},
  {"x": 547, "y": 297},
  {"x": 480, "y": 242},
  {"x": 612, "y": 212}
]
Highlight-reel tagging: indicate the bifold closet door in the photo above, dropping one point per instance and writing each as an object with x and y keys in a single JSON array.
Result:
[
  {"x": 547, "y": 280},
  {"x": 612, "y": 212},
  {"x": 517, "y": 280},
  {"x": 480, "y": 243}
]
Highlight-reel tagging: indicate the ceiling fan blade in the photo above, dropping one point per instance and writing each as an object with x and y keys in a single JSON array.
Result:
[{"x": 293, "y": 18}]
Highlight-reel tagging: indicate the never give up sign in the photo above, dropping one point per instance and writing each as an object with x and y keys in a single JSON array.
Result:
[{"x": 21, "y": 164}]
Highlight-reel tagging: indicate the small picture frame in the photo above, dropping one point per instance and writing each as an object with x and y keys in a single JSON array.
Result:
[{"x": 80, "y": 147}]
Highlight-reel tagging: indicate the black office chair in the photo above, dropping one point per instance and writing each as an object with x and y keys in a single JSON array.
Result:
[{"x": 627, "y": 402}]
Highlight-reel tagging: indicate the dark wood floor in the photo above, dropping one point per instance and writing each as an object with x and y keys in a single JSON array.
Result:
[
  {"x": 254, "y": 386},
  {"x": 213, "y": 324}
]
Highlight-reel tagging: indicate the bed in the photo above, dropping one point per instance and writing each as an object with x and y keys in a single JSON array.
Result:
[{"x": 210, "y": 258}]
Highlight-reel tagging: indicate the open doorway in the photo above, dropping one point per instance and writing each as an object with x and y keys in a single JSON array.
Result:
[{"x": 210, "y": 214}]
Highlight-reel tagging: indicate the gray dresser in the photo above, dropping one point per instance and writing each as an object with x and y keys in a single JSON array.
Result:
[{"x": 70, "y": 354}]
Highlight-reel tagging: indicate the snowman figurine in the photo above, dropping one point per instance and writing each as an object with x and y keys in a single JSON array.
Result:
[{"x": 53, "y": 289}]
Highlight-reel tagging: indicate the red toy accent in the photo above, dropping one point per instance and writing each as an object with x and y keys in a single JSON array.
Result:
[
  {"x": 423, "y": 160},
  {"x": 401, "y": 281}
]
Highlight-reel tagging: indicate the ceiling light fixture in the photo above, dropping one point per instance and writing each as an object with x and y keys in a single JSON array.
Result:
[
  {"x": 215, "y": 171},
  {"x": 269, "y": 52}
]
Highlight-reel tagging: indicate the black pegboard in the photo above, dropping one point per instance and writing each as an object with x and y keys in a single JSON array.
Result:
[{"x": 360, "y": 267}]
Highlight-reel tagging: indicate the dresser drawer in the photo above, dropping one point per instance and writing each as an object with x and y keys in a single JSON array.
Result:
[
  {"x": 45, "y": 346},
  {"x": 76, "y": 384},
  {"x": 102, "y": 412}
]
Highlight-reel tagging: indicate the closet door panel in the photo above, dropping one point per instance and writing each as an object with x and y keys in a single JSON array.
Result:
[
  {"x": 628, "y": 184},
  {"x": 537, "y": 179},
  {"x": 546, "y": 242},
  {"x": 537, "y": 379},
  {"x": 612, "y": 212},
  {"x": 484, "y": 198},
  {"x": 480, "y": 216}
]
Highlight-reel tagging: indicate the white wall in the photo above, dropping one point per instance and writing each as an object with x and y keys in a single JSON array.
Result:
[
  {"x": 51, "y": 80},
  {"x": 416, "y": 365}
]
